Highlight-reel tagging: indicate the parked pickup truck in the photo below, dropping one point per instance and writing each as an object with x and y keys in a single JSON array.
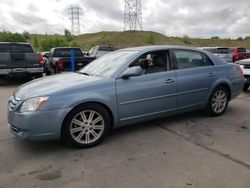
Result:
[
  {"x": 245, "y": 66},
  {"x": 19, "y": 59},
  {"x": 60, "y": 58}
]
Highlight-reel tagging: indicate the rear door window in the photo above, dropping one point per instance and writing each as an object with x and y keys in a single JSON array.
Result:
[{"x": 191, "y": 59}]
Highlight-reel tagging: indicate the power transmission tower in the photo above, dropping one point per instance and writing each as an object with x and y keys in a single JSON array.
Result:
[
  {"x": 132, "y": 15},
  {"x": 75, "y": 14}
]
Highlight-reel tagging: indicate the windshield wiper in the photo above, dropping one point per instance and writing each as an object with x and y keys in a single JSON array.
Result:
[{"x": 84, "y": 73}]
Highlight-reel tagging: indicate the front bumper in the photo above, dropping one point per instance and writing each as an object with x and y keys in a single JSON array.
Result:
[
  {"x": 247, "y": 80},
  {"x": 38, "y": 125},
  {"x": 21, "y": 71}
]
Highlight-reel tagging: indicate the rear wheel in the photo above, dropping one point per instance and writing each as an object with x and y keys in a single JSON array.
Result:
[
  {"x": 218, "y": 102},
  {"x": 2, "y": 80},
  {"x": 86, "y": 126},
  {"x": 246, "y": 86}
]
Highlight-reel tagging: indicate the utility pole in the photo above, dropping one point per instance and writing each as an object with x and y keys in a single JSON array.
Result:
[
  {"x": 75, "y": 14},
  {"x": 132, "y": 15}
]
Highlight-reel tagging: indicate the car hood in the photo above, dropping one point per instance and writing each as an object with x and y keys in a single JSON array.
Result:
[{"x": 63, "y": 83}]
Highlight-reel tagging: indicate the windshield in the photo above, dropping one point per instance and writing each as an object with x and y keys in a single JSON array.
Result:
[
  {"x": 66, "y": 52},
  {"x": 223, "y": 50},
  {"x": 107, "y": 65}
]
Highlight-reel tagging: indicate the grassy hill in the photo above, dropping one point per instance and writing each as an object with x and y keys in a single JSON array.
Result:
[{"x": 138, "y": 38}]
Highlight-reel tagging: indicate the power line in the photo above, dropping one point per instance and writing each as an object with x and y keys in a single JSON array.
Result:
[
  {"x": 75, "y": 14},
  {"x": 132, "y": 15}
]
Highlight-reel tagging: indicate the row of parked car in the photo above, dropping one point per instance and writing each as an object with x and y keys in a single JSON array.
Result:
[
  {"x": 20, "y": 59},
  {"x": 59, "y": 59},
  {"x": 229, "y": 54},
  {"x": 236, "y": 55}
]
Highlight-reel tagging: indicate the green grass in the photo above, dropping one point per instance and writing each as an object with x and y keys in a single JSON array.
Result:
[{"x": 141, "y": 38}]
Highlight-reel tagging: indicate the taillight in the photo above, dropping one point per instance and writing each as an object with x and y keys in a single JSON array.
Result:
[
  {"x": 239, "y": 70},
  {"x": 41, "y": 59},
  {"x": 60, "y": 64}
]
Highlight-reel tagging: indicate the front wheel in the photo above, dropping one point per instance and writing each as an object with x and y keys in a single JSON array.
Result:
[
  {"x": 86, "y": 126},
  {"x": 246, "y": 86},
  {"x": 218, "y": 102}
]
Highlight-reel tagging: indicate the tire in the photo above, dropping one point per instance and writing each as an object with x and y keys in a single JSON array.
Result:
[
  {"x": 218, "y": 102},
  {"x": 1, "y": 80},
  {"x": 245, "y": 88},
  {"x": 79, "y": 128},
  {"x": 48, "y": 69},
  {"x": 47, "y": 72}
]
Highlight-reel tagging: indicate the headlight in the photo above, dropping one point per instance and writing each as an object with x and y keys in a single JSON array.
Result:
[{"x": 33, "y": 104}]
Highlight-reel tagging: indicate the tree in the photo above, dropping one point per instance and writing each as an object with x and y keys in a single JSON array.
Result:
[
  {"x": 68, "y": 35},
  {"x": 186, "y": 39},
  {"x": 240, "y": 38},
  {"x": 26, "y": 35},
  {"x": 247, "y": 38},
  {"x": 11, "y": 37},
  {"x": 215, "y": 37}
]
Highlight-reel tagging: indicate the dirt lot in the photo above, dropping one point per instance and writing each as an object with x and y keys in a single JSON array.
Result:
[{"x": 190, "y": 150}]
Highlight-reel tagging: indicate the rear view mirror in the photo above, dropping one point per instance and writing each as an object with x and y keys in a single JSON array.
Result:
[{"x": 132, "y": 71}]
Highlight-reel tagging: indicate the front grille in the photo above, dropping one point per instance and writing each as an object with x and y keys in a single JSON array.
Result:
[
  {"x": 247, "y": 66},
  {"x": 12, "y": 102}
]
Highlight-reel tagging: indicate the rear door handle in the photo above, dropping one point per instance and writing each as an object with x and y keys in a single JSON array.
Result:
[
  {"x": 211, "y": 75},
  {"x": 169, "y": 81}
]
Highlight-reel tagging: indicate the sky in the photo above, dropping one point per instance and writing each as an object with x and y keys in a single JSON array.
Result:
[{"x": 194, "y": 18}]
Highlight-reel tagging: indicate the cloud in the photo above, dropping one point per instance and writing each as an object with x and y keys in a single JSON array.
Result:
[{"x": 225, "y": 18}]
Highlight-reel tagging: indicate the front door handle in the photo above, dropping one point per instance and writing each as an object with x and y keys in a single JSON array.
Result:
[
  {"x": 169, "y": 81},
  {"x": 211, "y": 75}
]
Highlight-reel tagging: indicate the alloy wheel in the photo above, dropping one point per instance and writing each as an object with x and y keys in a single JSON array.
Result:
[
  {"x": 87, "y": 126},
  {"x": 219, "y": 101}
]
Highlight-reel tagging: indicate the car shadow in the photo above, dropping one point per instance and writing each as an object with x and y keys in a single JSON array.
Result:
[
  {"x": 15, "y": 81},
  {"x": 44, "y": 148}
]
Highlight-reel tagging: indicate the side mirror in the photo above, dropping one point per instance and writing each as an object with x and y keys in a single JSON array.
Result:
[{"x": 132, "y": 71}]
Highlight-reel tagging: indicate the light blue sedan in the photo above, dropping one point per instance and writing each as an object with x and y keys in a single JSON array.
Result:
[{"x": 121, "y": 88}]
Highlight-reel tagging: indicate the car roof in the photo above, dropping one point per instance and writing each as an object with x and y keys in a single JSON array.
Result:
[
  {"x": 65, "y": 48},
  {"x": 159, "y": 47},
  {"x": 215, "y": 47}
]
